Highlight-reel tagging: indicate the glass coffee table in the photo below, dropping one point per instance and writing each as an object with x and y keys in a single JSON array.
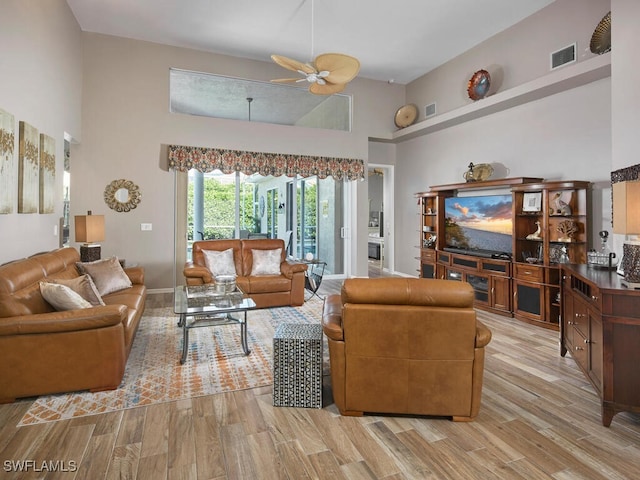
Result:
[{"x": 203, "y": 306}]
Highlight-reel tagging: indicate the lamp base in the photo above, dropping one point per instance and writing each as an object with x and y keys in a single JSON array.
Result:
[
  {"x": 631, "y": 264},
  {"x": 90, "y": 252}
]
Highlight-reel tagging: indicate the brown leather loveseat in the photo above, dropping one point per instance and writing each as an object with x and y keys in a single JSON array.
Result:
[
  {"x": 282, "y": 288},
  {"x": 405, "y": 346},
  {"x": 46, "y": 351}
]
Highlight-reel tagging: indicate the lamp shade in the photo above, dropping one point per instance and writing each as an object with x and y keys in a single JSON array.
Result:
[
  {"x": 89, "y": 228},
  {"x": 626, "y": 208}
]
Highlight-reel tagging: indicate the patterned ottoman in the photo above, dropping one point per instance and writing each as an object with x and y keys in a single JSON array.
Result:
[{"x": 297, "y": 365}]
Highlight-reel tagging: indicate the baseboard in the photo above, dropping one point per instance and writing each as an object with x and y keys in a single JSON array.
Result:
[{"x": 152, "y": 291}]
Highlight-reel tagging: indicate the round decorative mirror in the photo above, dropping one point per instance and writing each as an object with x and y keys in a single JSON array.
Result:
[{"x": 122, "y": 195}]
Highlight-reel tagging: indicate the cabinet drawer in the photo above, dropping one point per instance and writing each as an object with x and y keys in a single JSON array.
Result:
[
  {"x": 579, "y": 351},
  {"x": 428, "y": 255},
  {"x": 529, "y": 272},
  {"x": 580, "y": 318}
]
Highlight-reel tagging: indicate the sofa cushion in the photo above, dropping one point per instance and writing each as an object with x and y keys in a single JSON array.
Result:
[
  {"x": 83, "y": 286},
  {"x": 107, "y": 274},
  {"x": 266, "y": 262},
  {"x": 62, "y": 297},
  {"x": 220, "y": 262}
]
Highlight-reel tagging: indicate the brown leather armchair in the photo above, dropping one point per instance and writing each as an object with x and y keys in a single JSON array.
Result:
[{"x": 405, "y": 346}]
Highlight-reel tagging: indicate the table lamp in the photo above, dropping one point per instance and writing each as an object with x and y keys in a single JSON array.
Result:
[
  {"x": 89, "y": 229},
  {"x": 626, "y": 221}
]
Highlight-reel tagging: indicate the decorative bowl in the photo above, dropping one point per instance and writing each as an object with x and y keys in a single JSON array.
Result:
[{"x": 225, "y": 283}]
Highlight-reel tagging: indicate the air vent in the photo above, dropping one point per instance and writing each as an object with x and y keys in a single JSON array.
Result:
[
  {"x": 430, "y": 110},
  {"x": 563, "y": 56}
]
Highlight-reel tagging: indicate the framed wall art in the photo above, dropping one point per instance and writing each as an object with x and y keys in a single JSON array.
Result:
[
  {"x": 7, "y": 161},
  {"x": 28, "y": 169},
  {"x": 47, "y": 173}
]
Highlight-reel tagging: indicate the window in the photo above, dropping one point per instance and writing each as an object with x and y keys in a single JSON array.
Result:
[
  {"x": 246, "y": 206},
  {"x": 210, "y": 95}
]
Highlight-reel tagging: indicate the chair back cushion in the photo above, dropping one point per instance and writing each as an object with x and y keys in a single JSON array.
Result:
[
  {"x": 220, "y": 246},
  {"x": 259, "y": 244}
]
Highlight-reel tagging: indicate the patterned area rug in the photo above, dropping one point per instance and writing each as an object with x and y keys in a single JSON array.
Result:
[{"x": 215, "y": 364}]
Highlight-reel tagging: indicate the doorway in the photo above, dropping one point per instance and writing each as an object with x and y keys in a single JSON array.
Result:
[{"x": 380, "y": 222}]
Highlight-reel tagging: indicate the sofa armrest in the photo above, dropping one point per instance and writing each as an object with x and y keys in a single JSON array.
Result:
[
  {"x": 196, "y": 271},
  {"x": 67, "y": 321},
  {"x": 135, "y": 274},
  {"x": 288, "y": 268},
  {"x": 483, "y": 335},
  {"x": 332, "y": 317}
]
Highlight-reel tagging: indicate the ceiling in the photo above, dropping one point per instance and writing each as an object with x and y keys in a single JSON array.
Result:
[{"x": 396, "y": 41}]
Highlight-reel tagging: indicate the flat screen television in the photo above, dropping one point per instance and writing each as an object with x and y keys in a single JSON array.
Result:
[{"x": 479, "y": 225}]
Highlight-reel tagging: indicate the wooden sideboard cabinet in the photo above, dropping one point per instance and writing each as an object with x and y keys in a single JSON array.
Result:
[{"x": 601, "y": 329}]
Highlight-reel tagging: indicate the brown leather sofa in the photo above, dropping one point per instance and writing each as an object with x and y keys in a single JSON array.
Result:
[
  {"x": 405, "y": 346},
  {"x": 46, "y": 351},
  {"x": 284, "y": 289}
]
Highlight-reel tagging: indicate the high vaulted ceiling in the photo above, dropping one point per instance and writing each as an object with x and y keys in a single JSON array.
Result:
[{"x": 397, "y": 40}]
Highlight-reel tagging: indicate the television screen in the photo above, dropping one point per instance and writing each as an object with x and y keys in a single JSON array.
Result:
[{"x": 479, "y": 223}]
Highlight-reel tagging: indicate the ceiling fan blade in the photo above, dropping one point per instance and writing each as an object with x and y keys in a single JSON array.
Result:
[
  {"x": 287, "y": 80},
  {"x": 327, "y": 88},
  {"x": 342, "y": 68},
  {"x": 293, "y": 65}
]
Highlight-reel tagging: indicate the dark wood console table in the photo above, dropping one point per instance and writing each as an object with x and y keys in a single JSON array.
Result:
[{"x": 601, "y": 329}]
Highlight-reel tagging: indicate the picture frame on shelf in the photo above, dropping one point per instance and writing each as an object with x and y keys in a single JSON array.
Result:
[{"x": 532, "y": 202}]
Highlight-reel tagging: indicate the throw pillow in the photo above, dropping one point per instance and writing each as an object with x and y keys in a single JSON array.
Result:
[
  {"x": 266, "y": 262},
  {"x": 62, "y": 297},
  {"x": 83, "y": 286},
  {"x": 220, "y": 262},
  {"x": 107, "y": 274}
]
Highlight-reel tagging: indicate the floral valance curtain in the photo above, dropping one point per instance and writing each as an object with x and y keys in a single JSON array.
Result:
[{"x": 203, "y": 159}]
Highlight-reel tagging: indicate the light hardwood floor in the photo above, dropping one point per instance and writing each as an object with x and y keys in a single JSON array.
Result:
[{"x": 539, "y": 419}]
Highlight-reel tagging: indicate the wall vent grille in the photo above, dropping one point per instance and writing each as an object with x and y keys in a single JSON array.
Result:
[
  {"x": 430, "y": 110},
  {"x": 563, "y": 56}
]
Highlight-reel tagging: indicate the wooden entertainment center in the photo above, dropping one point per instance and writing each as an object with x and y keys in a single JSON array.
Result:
[{"x": 550, "y": 225}]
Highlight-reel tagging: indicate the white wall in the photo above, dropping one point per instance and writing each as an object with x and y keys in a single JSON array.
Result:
[
  {"x": 47, "y": 62},
  {"x": 126, "y": 121},
  {"x": 40, "y": 83},
  {"x": 625, "y": 95},
  {"x": 565, "y": 136},
  {"x": 513, "y": 57}
]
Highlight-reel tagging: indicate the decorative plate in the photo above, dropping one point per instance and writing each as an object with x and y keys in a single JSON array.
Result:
[
  {"x": 601, "y": 38},
  {"x": 406, "y": 115},
  {"x": 478, "y": 85}
]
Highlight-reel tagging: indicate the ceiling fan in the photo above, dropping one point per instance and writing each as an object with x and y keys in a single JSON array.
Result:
[{"x": 329, "y": 73}]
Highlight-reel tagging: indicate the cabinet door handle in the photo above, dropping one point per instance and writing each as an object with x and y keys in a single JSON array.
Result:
[
  {"x": 579, "y": 348},
  {"x": 581, "y": 315},
  {"x": 594, "y": 298},
  {"x": 586, "y": 341}
]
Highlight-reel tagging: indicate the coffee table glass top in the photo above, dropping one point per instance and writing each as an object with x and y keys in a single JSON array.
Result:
[{"x": 206, "y": 299}]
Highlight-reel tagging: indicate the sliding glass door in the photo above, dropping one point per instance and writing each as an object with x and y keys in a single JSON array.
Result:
[{"x": 307, "y": 213}]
